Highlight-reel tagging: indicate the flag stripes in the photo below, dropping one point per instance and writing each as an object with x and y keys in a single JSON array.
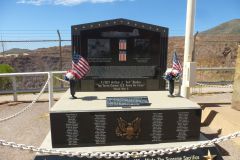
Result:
[
  {"x": 122, "y": 44},
  {"x": 122, "y": 50},
  {"x": 80, "y": 66},
  {"x": 122, "y": 56},
  {"x": 176, "y": 63}
]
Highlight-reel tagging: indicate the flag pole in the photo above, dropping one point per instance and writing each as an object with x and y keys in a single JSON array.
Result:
[{"x": 188, "y": 47}]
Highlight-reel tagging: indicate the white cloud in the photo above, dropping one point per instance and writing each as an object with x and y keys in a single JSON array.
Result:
[
  {"x": 33, "y": 2},
  {"x": 65, "y": 2},
  {"x": 76, "y": 2}
]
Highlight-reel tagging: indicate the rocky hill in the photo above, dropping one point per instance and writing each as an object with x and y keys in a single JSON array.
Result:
[
  {"x": 17, "y": 51},
  {"x": 231, "y": 27}
]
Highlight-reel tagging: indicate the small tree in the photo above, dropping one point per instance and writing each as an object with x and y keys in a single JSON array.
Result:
[{"x": 5, "y": 83}]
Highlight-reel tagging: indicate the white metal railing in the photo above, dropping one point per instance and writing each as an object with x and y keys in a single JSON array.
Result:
[
  {"x": 51, "y": 73},
  {"x": 216, "y": 68},
  {"x": 50, "y": 84}
]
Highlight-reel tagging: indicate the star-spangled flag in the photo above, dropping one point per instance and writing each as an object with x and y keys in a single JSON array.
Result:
[
  {"x": 122, "y": 44},
  {"x": 176, "y": 63},
  {"x": 80, "y": 66},
  {"x": 122, "y": 56}
]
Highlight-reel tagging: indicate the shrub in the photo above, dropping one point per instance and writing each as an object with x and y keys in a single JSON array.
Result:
[{"x": 5, "y": 83}]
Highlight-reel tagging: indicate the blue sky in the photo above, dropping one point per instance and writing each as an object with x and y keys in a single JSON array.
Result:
[{"x": 39, "y": 19}]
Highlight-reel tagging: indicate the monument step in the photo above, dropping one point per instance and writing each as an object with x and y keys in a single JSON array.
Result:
[{"x": 133, "y": 117}]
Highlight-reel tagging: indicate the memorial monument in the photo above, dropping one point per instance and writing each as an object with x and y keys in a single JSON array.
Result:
[{"x": 121, "y": 103}]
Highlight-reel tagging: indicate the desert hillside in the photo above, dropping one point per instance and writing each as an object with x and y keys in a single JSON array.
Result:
[
  {"x": 230, "y": 27},
  {"x": 42, "y": 59}
]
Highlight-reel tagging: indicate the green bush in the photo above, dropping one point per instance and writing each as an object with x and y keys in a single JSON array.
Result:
[{"x": 5, "y": 83}]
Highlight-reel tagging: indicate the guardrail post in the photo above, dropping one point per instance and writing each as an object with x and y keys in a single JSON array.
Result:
[
  {"x": 50, "y": 89},
  {"x": 14, "y": 85}
]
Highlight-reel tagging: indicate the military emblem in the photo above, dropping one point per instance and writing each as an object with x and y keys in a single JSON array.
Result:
[
  {"x": 209, "y": 156},
  {"x": 128, "y": 130}
]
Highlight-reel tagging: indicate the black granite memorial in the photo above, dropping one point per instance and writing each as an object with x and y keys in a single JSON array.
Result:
[
  {"x": 124, "y": 55},
  {"x": 120, "y": 104}
]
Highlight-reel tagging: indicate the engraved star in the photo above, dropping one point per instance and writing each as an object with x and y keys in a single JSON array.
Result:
[{"x": 209, "y": 156}]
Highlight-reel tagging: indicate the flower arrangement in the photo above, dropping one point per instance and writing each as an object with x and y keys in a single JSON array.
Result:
[{"x": 172, "y": 74}]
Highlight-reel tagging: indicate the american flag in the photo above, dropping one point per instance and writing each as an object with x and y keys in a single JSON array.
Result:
[
  {"x": 176, "y": 63},
  {"x": 122, "y": 56},
  {"x": 80, "y": 66},
  {"x": 122, "y": 44}
]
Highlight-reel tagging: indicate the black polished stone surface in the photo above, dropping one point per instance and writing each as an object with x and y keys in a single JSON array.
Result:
[
  {"x": 74, "y": 129},
  {"x": 121, "y": 50}
]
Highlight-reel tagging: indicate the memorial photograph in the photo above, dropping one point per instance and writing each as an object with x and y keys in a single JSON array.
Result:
[{"x": 98, "y": 48}]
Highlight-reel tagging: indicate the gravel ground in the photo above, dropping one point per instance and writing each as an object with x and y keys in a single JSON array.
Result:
[{"x": 32, "y": 126}]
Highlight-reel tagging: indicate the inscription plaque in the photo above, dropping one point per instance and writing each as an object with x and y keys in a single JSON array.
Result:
[
  {"x": 127, "y": 101},
  {"x": 120, "y": 85}
]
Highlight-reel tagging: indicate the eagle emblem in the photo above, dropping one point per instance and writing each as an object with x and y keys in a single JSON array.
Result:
[{"x": 128, "y": 130}]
